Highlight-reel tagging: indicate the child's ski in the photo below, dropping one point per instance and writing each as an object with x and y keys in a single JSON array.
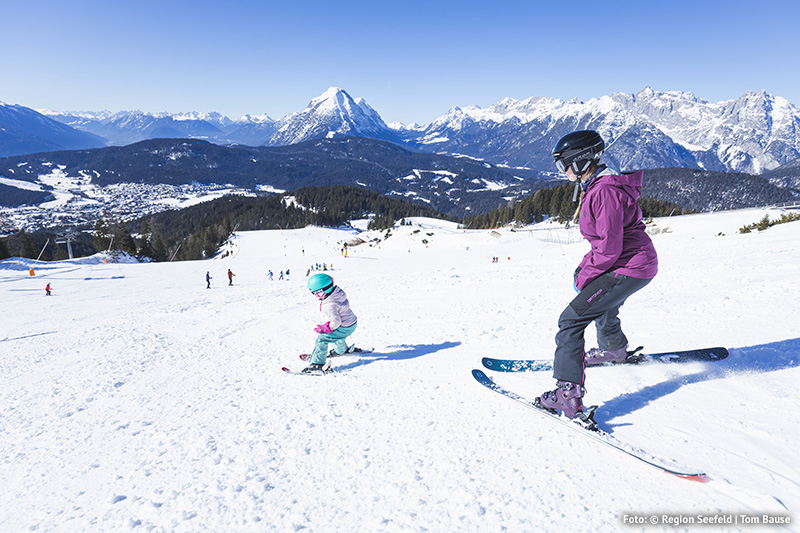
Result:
[
  {"x": 351, "y": 350},
  {"x": 596, "y": 434},
  {"x": 301, "y": 373}
]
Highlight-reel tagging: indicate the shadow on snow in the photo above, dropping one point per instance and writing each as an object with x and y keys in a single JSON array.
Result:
[
  {"x": 401, "y": 352},
  {"x": 749, "y": 360}
]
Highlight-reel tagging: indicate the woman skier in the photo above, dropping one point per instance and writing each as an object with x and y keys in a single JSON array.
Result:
[
  {"x": 621, "y": 261},
  {"x": 339, "y": 321}
]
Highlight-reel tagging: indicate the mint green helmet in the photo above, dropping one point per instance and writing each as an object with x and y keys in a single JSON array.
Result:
[{"x": 320, "y": 284}]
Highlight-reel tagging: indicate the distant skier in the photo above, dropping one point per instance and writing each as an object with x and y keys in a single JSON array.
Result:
[
  {"x": 230, "y": 277},
  {"x": 340, "y": 321},
  {"x": 47, "y": 290},
  {"x": 621, "y": 261},
  {"x": 269, "y": 275},
  {"x": 280, "y": 276},
  {"x": 208, "y": 280}
]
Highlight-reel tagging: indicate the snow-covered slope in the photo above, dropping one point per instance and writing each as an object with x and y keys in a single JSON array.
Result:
[{"x": 135, "y": 398}]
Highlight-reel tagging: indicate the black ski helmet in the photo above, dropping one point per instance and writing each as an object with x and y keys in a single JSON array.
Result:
[{"x": 578, "y": 150}]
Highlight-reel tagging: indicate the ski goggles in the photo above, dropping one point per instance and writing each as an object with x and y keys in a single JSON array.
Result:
[{"x": 320, "y": 294}]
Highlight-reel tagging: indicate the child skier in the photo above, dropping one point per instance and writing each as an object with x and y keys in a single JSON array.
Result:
[
  {"x": 47, "y": 290},
  {"x": 621, "y": 261},
  {"x": 340, "y": 321},
  {"x": 230, "y": 277}
]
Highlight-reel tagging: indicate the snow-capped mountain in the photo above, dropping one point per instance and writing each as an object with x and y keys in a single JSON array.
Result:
[
  {"x": 753, "y": 133},
  {"x": 126, "y": 127},
  {"x": 332, "y": 114},
  {"x": 23, "y": 130}
]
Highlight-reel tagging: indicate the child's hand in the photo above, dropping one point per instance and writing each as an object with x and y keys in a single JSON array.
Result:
[{"x": 323, "y": 328}]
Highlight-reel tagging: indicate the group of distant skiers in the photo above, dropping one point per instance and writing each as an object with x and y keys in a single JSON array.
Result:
[
  {"x": 231, "y": 275},
  {"x": 209, "y": 278},
  {"x": 281, "y": 275}
]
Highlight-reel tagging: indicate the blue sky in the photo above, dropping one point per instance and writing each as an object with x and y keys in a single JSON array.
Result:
[{"x": 410, "y": 60}]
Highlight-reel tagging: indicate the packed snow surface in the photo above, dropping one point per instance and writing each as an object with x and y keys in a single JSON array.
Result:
[{"x": 134, "y": 398}]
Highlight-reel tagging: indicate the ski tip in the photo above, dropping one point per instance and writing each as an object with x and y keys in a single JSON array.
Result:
[
  {"x": 356, "y": 349},
  {"x": 481, "y": 377},
  {"x": 487, "y": 362}
]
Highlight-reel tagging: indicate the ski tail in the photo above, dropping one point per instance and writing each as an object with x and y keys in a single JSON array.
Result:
[{"x": 717, "y": 353}]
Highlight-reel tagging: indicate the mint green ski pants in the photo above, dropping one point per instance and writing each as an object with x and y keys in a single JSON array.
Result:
[{"x": 339, "y": 339}]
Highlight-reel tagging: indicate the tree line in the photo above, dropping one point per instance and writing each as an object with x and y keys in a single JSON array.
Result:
[{"x": 559, "y": 204}]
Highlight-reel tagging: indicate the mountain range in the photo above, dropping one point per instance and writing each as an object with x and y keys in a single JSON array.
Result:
[
  {"x": 754, "y": 133},
  {"x": 699, "y": 155}
]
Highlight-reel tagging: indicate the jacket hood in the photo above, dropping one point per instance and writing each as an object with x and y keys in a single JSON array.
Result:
[
  {"x": 630, "y": 183},
  {"x": 337, "y": 295}
]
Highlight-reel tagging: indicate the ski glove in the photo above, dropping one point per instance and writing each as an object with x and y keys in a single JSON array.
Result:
[{"x": 323, "y": 328}]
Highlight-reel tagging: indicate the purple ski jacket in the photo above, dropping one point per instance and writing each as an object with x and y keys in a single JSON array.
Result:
[{"x": 611, "y": 220}]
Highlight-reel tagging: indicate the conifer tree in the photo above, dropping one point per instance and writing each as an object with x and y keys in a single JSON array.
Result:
[
  {"x": 159, "y": 251},
  {"x": 145, "y": 250},
  {"x": 123, "y": 240},
  {"x": 102, "y": 235},
  {"x": 26, "y": 248}
]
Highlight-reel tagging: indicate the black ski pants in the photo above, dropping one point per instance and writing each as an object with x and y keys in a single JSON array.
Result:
[{"x": 598, "y": 302}]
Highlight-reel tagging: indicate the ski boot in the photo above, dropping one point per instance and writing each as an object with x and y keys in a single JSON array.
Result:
[
  {"x": 316, "y": 368},
  {"x": 567, "y": 398},
  {"x": 596, "y": 356},
  {"x": 350, "y": 349}
]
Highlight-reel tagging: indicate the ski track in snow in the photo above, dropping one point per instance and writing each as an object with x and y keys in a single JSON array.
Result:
[{"x": 134, "y": 398}]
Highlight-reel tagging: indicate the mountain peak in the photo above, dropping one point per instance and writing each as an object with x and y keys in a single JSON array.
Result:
[
  {"x": 334, "y": 113},
  {"x": 335, "y": 94}
]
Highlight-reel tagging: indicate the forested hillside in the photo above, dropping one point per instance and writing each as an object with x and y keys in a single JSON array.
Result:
[
  {"x": 197, "y": 232},
  {"x": 557, "y": 202}
]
